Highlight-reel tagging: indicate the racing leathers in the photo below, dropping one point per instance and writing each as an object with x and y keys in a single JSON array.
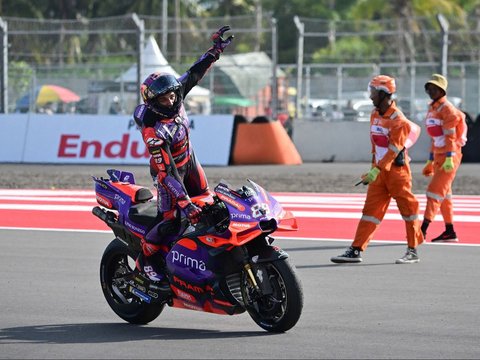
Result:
[
  {"x": 445, "y": 124},
  {"x": 174, "y": 167},
  {"x": 389, "y": 134}
]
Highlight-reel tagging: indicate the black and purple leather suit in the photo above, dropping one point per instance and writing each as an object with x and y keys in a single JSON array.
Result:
[{"x": 173, "y": 165}]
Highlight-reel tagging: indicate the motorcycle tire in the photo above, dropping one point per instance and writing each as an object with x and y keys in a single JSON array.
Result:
[
  {"x": 279, "y": 311},
  {"x": 117, "y": 261}
]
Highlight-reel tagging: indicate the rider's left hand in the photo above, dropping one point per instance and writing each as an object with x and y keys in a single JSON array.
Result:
[
  {"x": 219, "y": 43},
  {"x": 193, "y": 212}
]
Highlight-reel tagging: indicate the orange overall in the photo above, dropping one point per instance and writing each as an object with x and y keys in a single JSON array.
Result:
[
  {"x": 446, "y": 126},
  {"x": 389, "y": 133}
]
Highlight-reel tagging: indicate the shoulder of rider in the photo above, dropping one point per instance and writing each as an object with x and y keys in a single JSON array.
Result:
[{"x": 144, "y": 116}]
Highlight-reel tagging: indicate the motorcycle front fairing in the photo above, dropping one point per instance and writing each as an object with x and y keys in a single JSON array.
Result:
[
  {"x": 271, "y": 217},
  {"x": 253, "y": 212},
  {"x": 196, "y": 276}
]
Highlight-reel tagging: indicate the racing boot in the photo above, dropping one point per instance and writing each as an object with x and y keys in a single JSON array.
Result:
[
  {"x": 154, "y": 246},
  {"x": 153, "y": 266}
]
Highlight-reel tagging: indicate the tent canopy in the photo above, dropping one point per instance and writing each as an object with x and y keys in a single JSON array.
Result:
[
  {"x": 233, "y": 101},
  {"x": 246, "y": 74},
  {"x": 155, "y": 61}
]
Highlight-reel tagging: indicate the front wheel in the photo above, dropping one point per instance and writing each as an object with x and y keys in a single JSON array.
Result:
[
  {"x": 280, "y": 309},
  {"x": 118, "y": 261}
]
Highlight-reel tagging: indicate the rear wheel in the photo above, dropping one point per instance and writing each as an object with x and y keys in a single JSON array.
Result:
[
  {"x": 280, "y": 310},
  {"x": 118, "y": 261}
]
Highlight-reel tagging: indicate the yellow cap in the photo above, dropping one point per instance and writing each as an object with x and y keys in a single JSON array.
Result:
[{"x": 439, "y": 81}]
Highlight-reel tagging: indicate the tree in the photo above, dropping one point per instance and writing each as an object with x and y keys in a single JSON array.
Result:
[{"x": 406, "y": 17}]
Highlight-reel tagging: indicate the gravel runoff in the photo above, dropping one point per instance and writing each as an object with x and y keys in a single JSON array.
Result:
[{"x": 308, "y": 177}]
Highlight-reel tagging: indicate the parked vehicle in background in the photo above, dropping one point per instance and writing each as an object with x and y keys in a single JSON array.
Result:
[
  {"x": 356, "y": 106},
  {"x": 363, "y": 109},
  {"x": 341, "y": 109},
  {"x": 420, "y": 107},
  {"x": 344, "y": 110}
]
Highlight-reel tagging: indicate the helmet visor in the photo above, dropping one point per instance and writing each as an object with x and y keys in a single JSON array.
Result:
[{"x": 162, "y": 85}]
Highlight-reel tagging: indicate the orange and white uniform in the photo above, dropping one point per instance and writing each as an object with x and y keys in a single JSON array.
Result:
[
  {"x": 446, "y": 126},
  {"x": 390, "y": 134}
]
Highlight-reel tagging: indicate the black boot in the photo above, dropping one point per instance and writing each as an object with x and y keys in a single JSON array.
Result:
[{"x": 154, "y": 268}]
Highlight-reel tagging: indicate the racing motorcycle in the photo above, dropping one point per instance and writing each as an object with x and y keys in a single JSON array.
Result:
[{"x": 224, "y": 264}]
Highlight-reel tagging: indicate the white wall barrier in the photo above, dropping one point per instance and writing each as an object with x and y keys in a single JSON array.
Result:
[
  {"x": 346, "y": 141},
  {"x": 114, "y": 139},
  {"x": 101, "y": 139}
]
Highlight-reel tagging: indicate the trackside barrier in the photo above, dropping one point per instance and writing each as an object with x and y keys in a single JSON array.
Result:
[
  {"x": 264, "y": 143},
  {"x": 345, "y": 141},
  {"x": 102, "y": 139}
]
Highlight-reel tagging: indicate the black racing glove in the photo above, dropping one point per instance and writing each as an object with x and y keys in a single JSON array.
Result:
[
  {"x": 219, "y": 43},
  {"x": 192, "y": 211}
]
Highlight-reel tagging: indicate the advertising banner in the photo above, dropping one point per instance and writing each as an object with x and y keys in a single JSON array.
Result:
[
  {"x": 108, "y": 139},
  {"x": 13, "y": 129}
]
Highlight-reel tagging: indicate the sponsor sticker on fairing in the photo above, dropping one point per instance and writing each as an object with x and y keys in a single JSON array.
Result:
[
  {"x": 103, "y": 201},
  {"x": 241, "y": 225},
  {"x": 187, "y": 261},
  {"x": 191, "y": 306},
  {"x": 231, "y": 202},
  {"x": 134, "y": 228},
  {"x": 120, "y": 199},
  {"x": 183, "y": 295},
  {"x": 240, "y": 216}
]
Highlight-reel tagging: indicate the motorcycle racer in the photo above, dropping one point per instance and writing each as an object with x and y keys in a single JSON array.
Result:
[{"x": 175, "y": 170}]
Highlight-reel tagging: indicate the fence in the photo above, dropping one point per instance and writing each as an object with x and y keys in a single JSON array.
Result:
[
  {"x": 93, "y": 56},
  {"x": 411, "y": 49},
  {"x": 328, "y": 85}
]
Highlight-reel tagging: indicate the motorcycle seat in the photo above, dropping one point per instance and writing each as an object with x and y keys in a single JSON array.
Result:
[
  {"x": 143, "y": 194},
  {"x": 137, "y": 193},
  {"x": 144, "y": 213}
]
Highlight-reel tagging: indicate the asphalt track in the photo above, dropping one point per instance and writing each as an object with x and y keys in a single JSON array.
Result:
[
  {"x": 51, "y": 304},
  {"x": 52, "y": 307}
]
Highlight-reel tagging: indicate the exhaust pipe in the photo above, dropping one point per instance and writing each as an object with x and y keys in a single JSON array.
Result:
[{"x": 107, "y": 217}]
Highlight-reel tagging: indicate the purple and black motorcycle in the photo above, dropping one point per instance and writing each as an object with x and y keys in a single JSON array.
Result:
[{"x": 225, "y": 264}]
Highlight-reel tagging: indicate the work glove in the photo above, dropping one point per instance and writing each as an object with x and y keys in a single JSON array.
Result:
[
  {"x": 371, "y": 176},
  {"x": 192, "y": 211},
  {"x": 428, "y": 168},
  {"x": 219, "y": 43},
  {"x": 447, "y": 165}
]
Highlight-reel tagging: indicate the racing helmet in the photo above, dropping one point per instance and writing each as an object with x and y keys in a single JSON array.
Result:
[
  {"x": 158, "y": 84},
  {"x": 383, "y": 83}
]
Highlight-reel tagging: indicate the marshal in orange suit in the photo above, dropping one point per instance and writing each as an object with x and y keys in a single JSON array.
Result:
[
  {"x": 389, "y": 177},
  {"x": 447, "y": 129}
]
